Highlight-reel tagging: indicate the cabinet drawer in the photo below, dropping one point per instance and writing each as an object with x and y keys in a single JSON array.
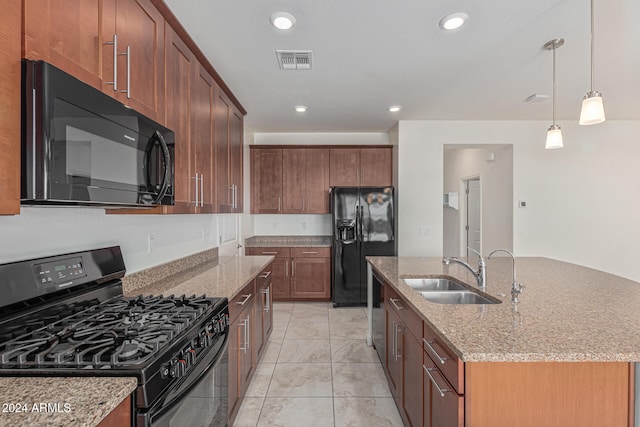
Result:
[
  {"x": 264, "y": 277},
  {"x": 313, "y": 252},
  {"x": 273, "y": 251},
  {"x": 242, "y": 300},
  {"x": 443, "y": 407},
  {"x": 445, "y": 359},
  {"x": 406, "y": 313}
]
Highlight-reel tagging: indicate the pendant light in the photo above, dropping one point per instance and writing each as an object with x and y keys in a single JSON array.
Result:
[
  {"x": 592, "y": 107},
  {"x": 554, "y": 133}
]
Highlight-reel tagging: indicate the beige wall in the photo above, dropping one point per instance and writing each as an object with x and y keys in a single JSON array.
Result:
[{"x": 582, "y": 203}]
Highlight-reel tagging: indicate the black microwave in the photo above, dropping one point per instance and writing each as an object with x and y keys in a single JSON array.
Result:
[{"x": 83, "y": 147}]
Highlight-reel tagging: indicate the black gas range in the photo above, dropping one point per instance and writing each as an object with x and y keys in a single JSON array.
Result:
[{"x": 66, "y": 315}]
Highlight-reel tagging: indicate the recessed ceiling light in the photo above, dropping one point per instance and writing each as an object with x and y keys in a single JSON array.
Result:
[
  {"x": 301, "y": 108},
  {"x": 395, "y": 108},
  {"x": 453, "y": 21},
  {"x": 282, "y": 20}
]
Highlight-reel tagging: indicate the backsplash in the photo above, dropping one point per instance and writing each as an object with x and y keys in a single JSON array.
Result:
[{"x": 292, "y": 225}]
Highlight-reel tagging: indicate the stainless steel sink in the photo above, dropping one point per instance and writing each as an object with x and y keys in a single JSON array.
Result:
[
  {"x": 434, "y": 284},
  {"x": 457, "y": 297}
]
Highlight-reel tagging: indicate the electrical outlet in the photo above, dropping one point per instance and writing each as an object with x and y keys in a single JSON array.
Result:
[
  {"x": 424, "y": 231},
  {"x": 304, "y": 225},
  {"x": 203, "y": 237},
  {"x": 150, "y": 239}
]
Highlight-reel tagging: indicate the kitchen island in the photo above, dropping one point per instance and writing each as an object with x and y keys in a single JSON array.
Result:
[{"x": 516, "y": 362}]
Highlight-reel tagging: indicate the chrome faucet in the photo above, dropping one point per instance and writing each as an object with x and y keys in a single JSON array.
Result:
[
  {"x": 481, "y": 275},
  {"x": 516, "y": 288}
]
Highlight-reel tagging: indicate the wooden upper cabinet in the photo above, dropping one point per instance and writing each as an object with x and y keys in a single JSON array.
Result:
[
  {"x": 179, "y": 72},
  {"x": 10, "y": 34},
  {"x": 344, "y": 165},
  {"x": 66, "y": 33},
  {"x": 266, "y": 180},
  {"x": 140, "y": 30},
  {"x": 204, "y": 95},
  {"x": 317, "y": 180},
  {"x": 293, "y": 180},
  {"x": 78, "y": 37},
  {"x": 360, "y": 167},
  {"x": 236, "y": 135}
]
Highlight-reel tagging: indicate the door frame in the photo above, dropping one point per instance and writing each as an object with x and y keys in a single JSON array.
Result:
[{"x": 464, "y": 213}]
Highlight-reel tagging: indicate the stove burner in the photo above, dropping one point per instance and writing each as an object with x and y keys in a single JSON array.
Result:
[{"x": 121, "y": 331}]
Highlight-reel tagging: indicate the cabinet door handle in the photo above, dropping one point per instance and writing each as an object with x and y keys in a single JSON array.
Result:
[
  {"x": 293, "y": 268},
  {"x": 265, "y": 291},
  {"x": 393, "y": 301},
  {"x": 115, "y": 62},
  {"x": 247, "y": 334},
  {"x": 310, "y": 252},
  {"x": 196, "y": 190},
  {"x": 265, "y": 275},
  {"x": 286, "y": 269},
  {"x": 441, "y": 390},
  {"x": 128, "y": 90},
  {"x": 302, "y": 209},
  {"x": 269, "y": 253},
  {"x": 395, "y": 341},
  {"x": 434, "y": 352},
  {"x": 279, "y": 203},
  {"x": 202, "y": 190},
  {"x": 244, "y": 301}
]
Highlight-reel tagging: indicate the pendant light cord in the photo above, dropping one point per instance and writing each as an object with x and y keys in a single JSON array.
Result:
[
  {"x": 592, "y": 49},
  {"x": 554, "y": 83}
]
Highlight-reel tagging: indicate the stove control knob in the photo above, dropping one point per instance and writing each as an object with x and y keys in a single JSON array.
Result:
[
  {"x": 180, "y": 368},
  {"x": 166, "y": 371},
  {"x": 190, "y": 356}
]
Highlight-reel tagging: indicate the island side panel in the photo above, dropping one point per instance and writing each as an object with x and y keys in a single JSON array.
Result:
[{"x": 566, "y": 394}]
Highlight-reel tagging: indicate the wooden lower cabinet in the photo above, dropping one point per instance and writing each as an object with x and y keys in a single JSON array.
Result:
[
  {"x": 311, "y": 273},
  {"x": 403, "y": 362},
  {"x": 251, "y": 320},
  {"x": 120, "y": 416},
  {"x": 302, "y": 273},
  {"x": 432, "y": 387}
]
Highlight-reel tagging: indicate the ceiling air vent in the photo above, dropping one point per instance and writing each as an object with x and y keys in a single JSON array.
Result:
[{"x": 294, "y": 59}]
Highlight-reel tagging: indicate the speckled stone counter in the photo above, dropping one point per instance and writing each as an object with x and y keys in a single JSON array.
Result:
[
  {"x": 223, "y": 277},
  {"x": 68, "y": 402},
  {"x": 565, "y": 313},
  {"x": 288, "y": 241}
]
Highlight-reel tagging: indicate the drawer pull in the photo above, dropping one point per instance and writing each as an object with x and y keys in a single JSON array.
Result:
[
  {"x": 265, "y": 275},
  {"x": 310, "y": 252},
  {"x": 244, "y": 301},
  {"x": 435, "y": 353},
  {"x": 393, "y": 301},
  {"x": 269, "y": 253},
  {"x": 441, "y": 390}
]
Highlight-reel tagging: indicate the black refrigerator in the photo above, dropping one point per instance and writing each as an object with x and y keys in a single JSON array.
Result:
[{"x": 363, "y": 225}]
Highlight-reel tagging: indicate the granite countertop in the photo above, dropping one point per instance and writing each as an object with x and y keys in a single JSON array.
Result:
[
  {"x": 55, "y": 401},
  {"x": 565, "y": 313},
  {"x": 287, "y": 241},
  {"x": 223, "y": 277}
]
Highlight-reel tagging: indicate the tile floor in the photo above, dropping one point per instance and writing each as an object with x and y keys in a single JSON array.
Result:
[{"x": 318, "y": 371}]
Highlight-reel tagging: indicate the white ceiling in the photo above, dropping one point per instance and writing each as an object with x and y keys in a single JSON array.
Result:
[{"x": 369, "y": 54}]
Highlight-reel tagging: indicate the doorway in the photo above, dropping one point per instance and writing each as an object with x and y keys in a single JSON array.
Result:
[{"x": 487, "y": 171}]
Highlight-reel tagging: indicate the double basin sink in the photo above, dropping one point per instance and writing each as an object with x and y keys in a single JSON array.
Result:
[{"x": 442, "y": 290}]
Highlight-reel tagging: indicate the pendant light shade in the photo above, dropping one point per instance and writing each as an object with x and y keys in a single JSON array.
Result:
[
  {"x": 554, "y": 138},
  {"x": 592, "y": 107},
  {"x": 554, "y": 133},
  {"x": 592, "y": 111}
]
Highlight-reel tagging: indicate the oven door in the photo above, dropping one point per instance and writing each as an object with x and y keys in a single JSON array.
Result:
[{"x": 201, "y": 400}]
